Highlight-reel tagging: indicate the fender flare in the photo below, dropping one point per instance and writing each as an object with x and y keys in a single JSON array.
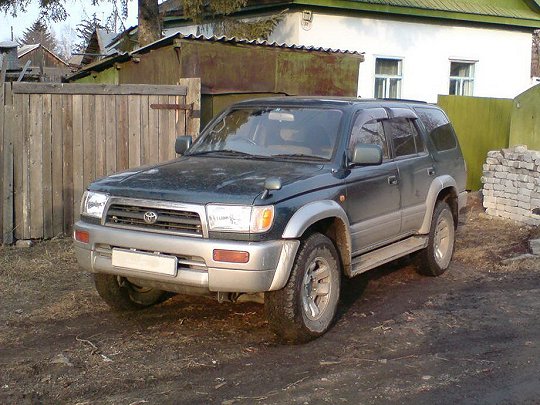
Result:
[
  {"x": 301, "y": 220},
  {"x": 437, "y": 185},
  {"x": 311, "y": 213}
]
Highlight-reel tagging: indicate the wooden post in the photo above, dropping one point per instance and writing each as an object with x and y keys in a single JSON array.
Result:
[{"x": 7, "y": 193}]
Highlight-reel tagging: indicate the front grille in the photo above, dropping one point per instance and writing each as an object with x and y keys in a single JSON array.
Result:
[{"x": 168, "y": 220}]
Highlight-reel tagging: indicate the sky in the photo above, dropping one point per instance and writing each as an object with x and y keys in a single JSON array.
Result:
[{"x": 77, "y": 9}]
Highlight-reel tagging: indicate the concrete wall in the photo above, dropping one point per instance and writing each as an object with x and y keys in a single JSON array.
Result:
[{"x": 503, "y": 55}]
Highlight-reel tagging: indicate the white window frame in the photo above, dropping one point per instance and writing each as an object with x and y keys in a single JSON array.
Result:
[
  {"x": 461, "y": 80},
  {"x": 387, "y": 78}
]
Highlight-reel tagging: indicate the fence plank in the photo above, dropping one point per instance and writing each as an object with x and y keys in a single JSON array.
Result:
[
  {"x": 110, "y": 134},
  {"x": 153, "y": 132},
  {"x": 99, "y": 119},
  {"x": 89, "y": 139},
  {"x": 145, "y": 136},
  {"x": 7, "y": 214},
  {"x": 18, "y": 150},
  {"x": 9, "y": 125},
  {"x": 180, "y": 118},
  {"x": 67, "y": 168},
  {"x": 46, "y": 133},
  {"x": 93, "y": 89},
  {"x": 171, "y": 136},
  {"x": 163, "y": 134},
  {"x": 78, "y": 154},
  {"x": 36, "y": 166},
  {"x": 193, "y": 96},
  {"x": 134, "y": 125},
  {"x": 3, "y": 178},
  {"x": 57, "y": 163},
  {"x": 122, "y": 134}
]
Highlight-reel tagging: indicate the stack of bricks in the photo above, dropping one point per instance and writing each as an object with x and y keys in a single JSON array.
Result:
[{"x": 512, "y": 184}]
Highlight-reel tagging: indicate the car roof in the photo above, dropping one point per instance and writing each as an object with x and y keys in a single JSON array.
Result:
[{"x": 339, "y": 102}]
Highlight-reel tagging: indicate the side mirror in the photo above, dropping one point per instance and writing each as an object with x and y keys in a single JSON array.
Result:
[
  {"x": 271, "y": 183},
  {"x": 366, "y": 155},
  {"x": 182, "y": 144}
]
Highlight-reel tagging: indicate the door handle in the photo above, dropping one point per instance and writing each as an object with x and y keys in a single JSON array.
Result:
[
  {"x": 392, "y": 180},
  {"x": 431, "y": 171}
]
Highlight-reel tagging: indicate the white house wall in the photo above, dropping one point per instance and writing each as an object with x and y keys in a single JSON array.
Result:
[{"x": 503, "y": 55}]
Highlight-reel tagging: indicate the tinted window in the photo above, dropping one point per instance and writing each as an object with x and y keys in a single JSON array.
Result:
[
  {"x": 370, "y": 132},
  {"x": 439, "y": 129},
  {"x": 405, "y": 138}
]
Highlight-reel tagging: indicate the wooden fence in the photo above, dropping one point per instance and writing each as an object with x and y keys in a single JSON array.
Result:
[
  {"x": 525, "y": 127},
  {"x": 56, "y": 138},
  {"x": 482, "y": 124}
]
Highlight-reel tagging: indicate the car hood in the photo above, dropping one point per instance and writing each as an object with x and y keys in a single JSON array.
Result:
[{"x": 203, "y": 180}]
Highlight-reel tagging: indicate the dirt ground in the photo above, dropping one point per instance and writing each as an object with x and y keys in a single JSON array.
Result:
[{"x": 470, "y": 336}]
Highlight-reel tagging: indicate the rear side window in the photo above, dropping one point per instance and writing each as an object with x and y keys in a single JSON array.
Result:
[
  {"x": 405, "y": 138},
  {"x": 439, "y": 128}
]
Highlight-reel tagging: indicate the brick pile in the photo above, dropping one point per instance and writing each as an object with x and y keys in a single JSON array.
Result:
[{"x": 512, "y": 184}]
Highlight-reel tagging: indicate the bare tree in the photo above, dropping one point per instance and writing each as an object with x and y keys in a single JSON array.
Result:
[{"x": 148, "y": 16}]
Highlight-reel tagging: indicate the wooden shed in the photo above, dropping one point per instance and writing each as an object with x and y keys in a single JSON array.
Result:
[
  {"x": 42, "y": 62},
  {"x": 231, "y": 69}
]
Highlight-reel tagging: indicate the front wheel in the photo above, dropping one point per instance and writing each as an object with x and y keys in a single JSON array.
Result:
[
  {"x": 435, "y": 258},
  {"x": 306, "y": 307},
  {"x": 122, "y": 295}
]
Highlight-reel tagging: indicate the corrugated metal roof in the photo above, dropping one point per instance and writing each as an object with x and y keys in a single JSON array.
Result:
[
  {"x": 234, "y": 40},
  {"x": 458, "y": 6},
  {"x": 121, "y": 57},
  {"x": 24, "y": 49}
]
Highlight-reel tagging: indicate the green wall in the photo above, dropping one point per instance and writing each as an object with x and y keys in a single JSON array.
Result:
[
  {"x": 108, "y": 76},
  {"x": 525, "y": 127},
  {"x": 481, "y": 124}
]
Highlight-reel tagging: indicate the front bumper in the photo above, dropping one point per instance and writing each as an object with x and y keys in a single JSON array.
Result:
[{"x": 269, "y": 262}]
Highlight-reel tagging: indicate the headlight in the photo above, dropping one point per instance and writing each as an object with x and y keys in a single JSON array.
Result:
[
  {"x": 93, "y": 204},
  {"x": 238, "y": 218}
]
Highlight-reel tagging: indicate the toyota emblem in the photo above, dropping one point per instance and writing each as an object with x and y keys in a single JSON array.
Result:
[{"x": 150, "y": 217}]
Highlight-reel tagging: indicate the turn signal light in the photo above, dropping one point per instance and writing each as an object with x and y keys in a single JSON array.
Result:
[
  {"x": 230, "y": 256},
  {"x": 82, "y": 236}
]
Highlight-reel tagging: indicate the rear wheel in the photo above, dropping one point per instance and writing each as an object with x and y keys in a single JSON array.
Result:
[
  {"x": 436, "y": 257},
  {"x": 305, "y": 308},
  {"x": 123, "y": 295}
]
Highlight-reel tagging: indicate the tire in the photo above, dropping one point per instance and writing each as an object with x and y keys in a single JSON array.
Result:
[
  {"x": 306, "y": 307},
  {"x": 436, "y": 257},
  {"x": 122, "y": 295}
]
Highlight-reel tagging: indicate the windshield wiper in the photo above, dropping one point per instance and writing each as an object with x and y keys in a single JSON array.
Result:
[
  {"x": 300, "y": 156},
  {"x": 221, "y": 151},
  {"x": 230, "y": 152}
]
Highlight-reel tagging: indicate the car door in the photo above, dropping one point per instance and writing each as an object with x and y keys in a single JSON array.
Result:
[
  {"x": 372, "y": 191},
  {"x": 415, "y": 166}
]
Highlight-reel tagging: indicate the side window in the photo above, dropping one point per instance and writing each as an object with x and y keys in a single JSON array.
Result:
[
  {"x": 369, "y": 132},
  {"x": 404, "y": 136},
  {"x": 438, "y": 127}
]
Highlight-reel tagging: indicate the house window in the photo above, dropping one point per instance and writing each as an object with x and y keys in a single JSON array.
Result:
[
  {"x": 461, "y": 78},
  {"x": 388, "y": 78}
]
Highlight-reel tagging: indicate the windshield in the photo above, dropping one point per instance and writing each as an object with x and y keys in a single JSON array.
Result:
[{"x": 296, "y": 133}]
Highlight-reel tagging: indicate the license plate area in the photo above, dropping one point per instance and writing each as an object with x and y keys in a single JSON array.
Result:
[{"x": 150, "y": 262}]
